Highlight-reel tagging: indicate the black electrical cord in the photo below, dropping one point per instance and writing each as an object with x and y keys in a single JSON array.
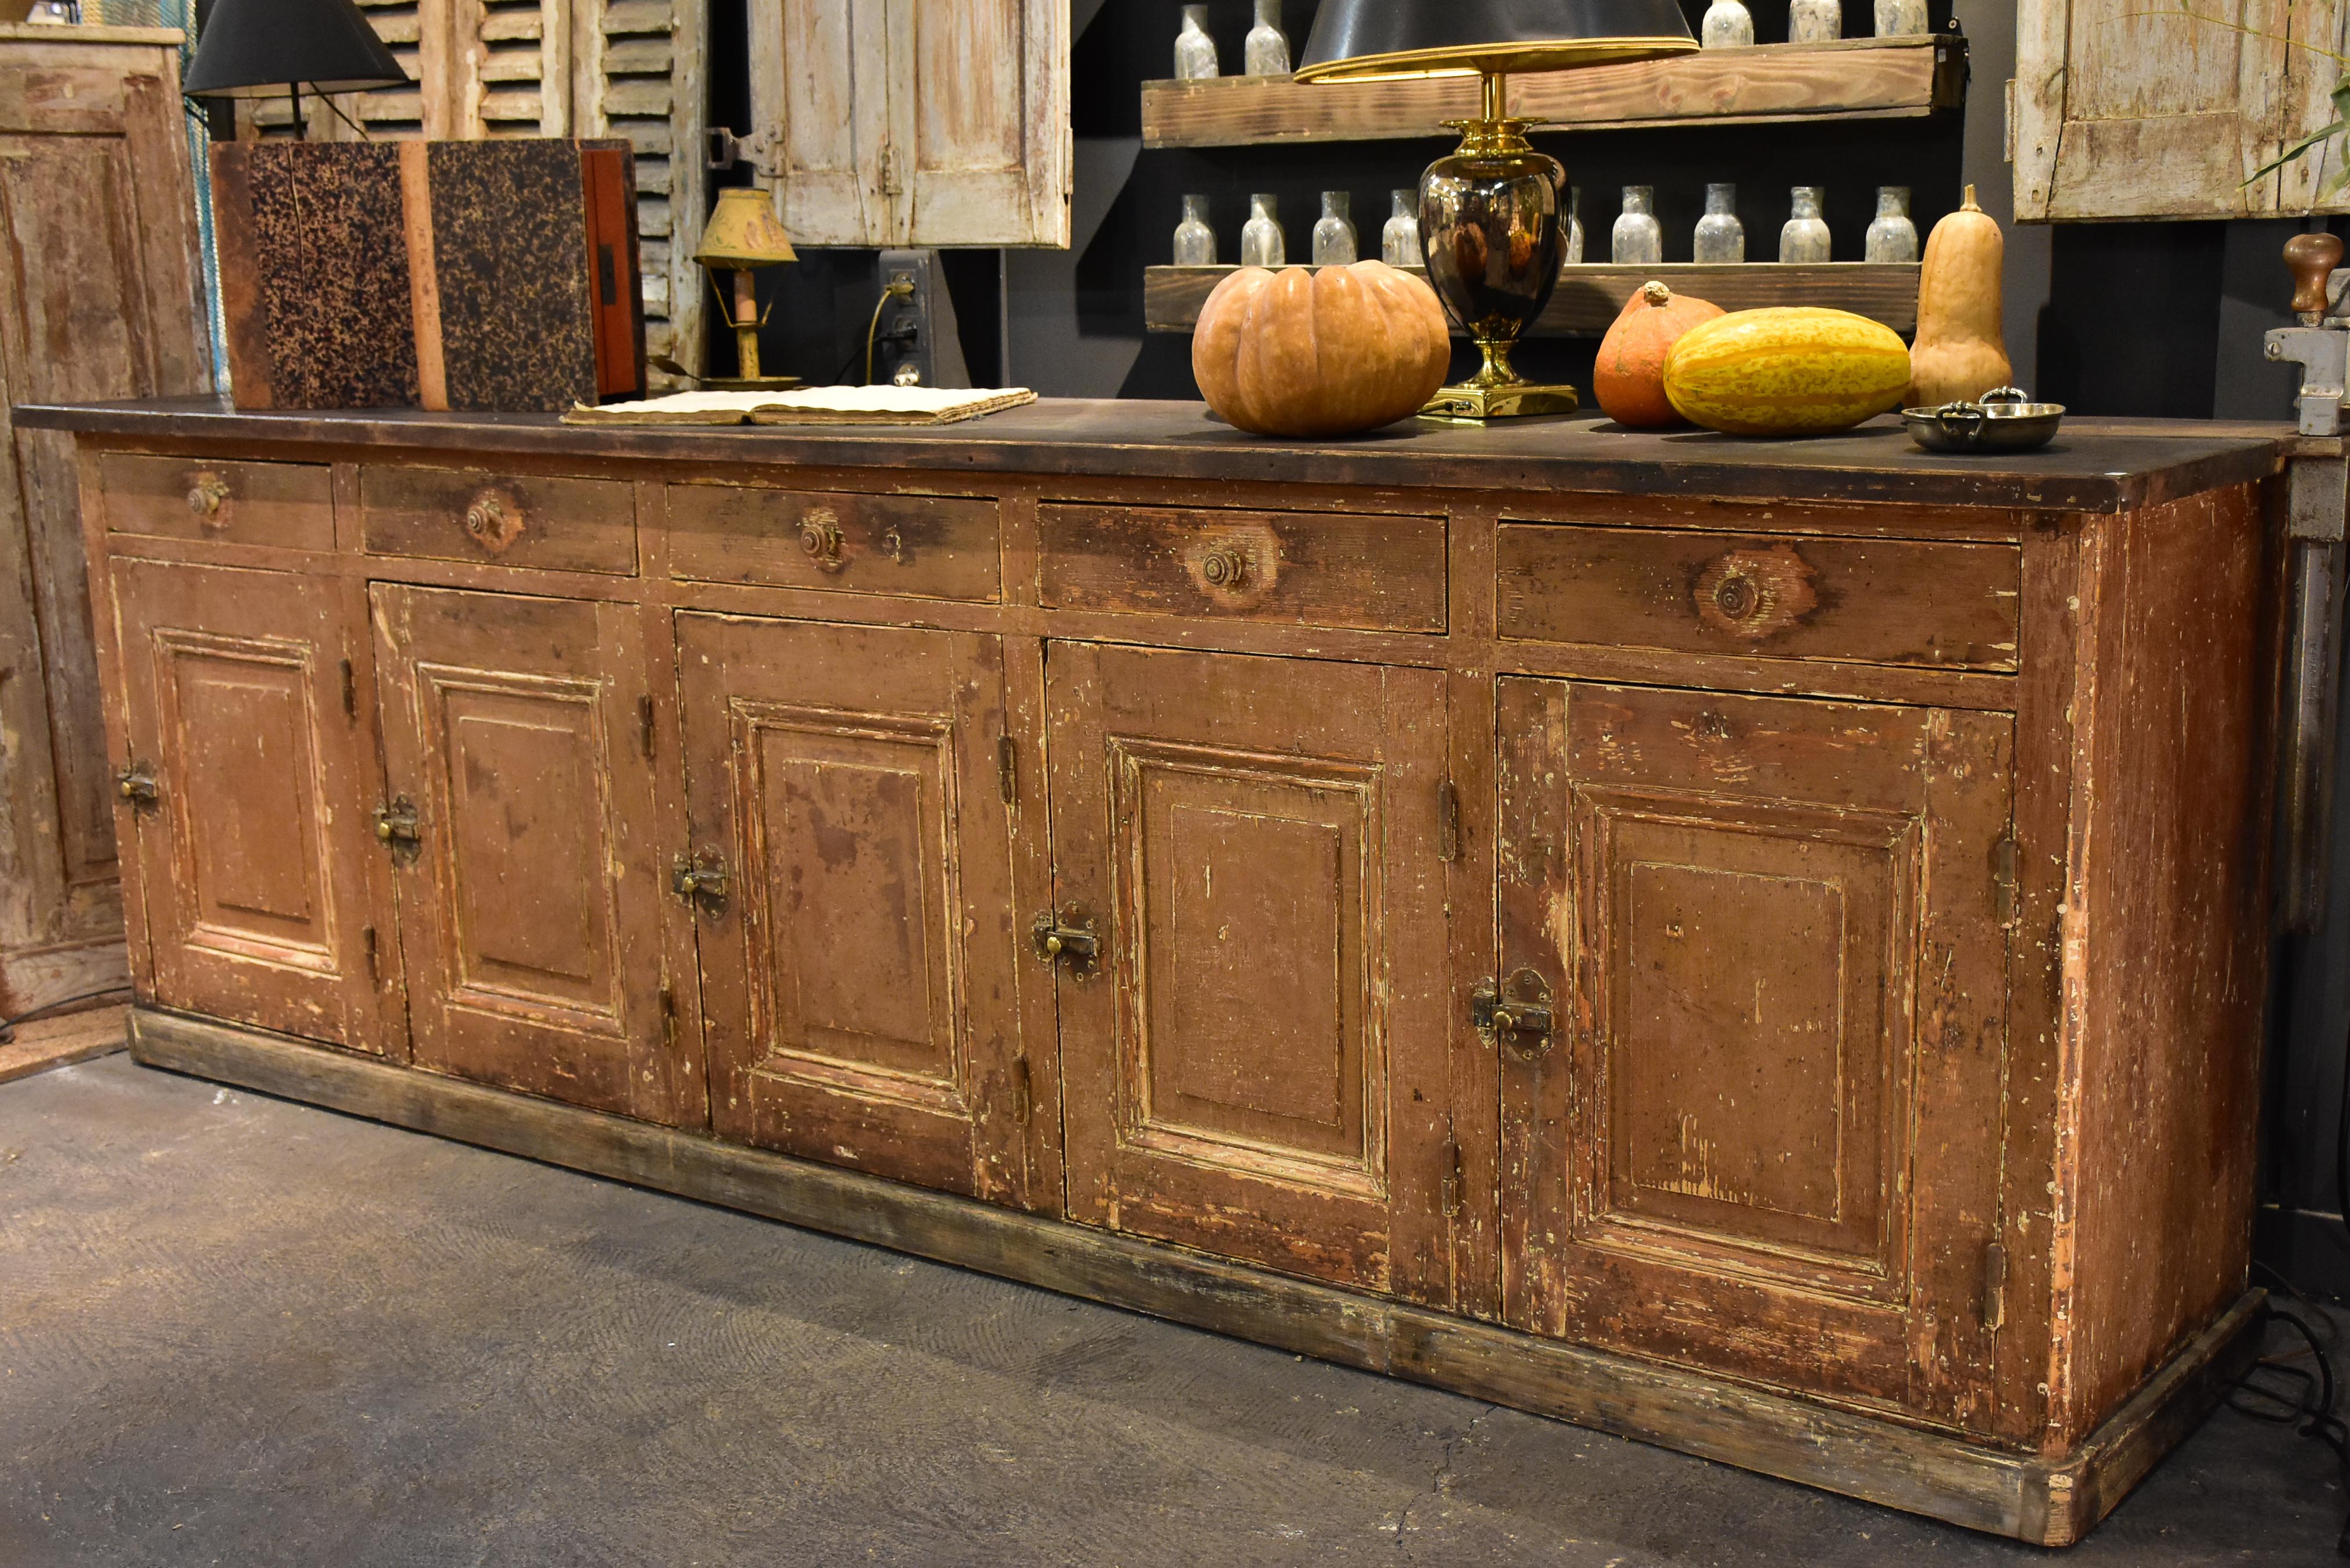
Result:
[
  {"x": 2304, "y": 1403},
  {"x": 31, "y": 1016}
]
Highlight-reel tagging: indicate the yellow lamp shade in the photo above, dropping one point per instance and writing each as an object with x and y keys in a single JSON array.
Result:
[{"x": 742, "y": 232}]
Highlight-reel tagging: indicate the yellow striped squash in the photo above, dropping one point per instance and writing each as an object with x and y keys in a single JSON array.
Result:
[{"x": 1787, "y": 370}]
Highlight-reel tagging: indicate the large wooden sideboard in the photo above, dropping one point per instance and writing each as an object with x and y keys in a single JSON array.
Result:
[
  {"x": 100, "y": 297},
  {"x": 1760, "y": 947}
]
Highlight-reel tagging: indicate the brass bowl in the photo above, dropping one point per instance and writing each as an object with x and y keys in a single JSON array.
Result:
[{"x": 1999, "y": 420}]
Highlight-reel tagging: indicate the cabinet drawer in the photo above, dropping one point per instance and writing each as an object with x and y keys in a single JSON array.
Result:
[
  {"x": 926, "y": 547},
  {"x": 285, "y": 504},
  {"x": 1879, "y": 601},
  {"x": 454, "y": 515},
  {"x": 1313, "y": 568}
]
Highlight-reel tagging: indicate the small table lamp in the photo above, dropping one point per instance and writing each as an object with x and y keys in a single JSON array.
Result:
[
  {"x": 251, "y": 48},
  {"x": 743, "y": 235},
  {"x": 1489, "y": 212}
]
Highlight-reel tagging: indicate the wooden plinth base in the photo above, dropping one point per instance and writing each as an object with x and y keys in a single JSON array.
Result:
[{"x": 2049, "y": 1502}]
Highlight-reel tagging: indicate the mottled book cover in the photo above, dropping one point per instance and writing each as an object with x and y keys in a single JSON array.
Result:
[
  {"x": 511, "y": 282},
  {"x": 314, "y": 274}
]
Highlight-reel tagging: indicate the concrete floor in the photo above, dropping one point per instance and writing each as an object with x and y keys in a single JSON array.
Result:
[{"x": 238, "y": 1331}]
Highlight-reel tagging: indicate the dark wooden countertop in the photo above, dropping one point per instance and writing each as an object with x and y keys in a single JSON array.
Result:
[{"x": 2092, "y": 465}]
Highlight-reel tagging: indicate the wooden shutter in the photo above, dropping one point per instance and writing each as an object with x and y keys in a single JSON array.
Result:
[
  {"x": 892, "y": 123},
  {"x": 2122, "y": 109},
  {"x": 626, "y": 68}
]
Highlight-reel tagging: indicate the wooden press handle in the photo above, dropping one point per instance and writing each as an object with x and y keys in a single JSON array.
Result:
[{"x": 2313, "y": 258}]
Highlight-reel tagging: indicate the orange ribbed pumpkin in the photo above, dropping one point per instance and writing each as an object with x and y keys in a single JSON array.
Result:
[
  {"x": 1630, "y": 378},
  {"x": 1323, "y": 353}
]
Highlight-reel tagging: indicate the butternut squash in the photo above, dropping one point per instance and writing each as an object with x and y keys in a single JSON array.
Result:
[
  {"x": 1324, "y": 353},
  {"x": 1960, "y": 352}
]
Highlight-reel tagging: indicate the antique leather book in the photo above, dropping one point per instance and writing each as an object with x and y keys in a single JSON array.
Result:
[
  {"x": 488, "y": 276},
  {"x": 314, "y": 275},
  {"x": 523, "y": 266}
]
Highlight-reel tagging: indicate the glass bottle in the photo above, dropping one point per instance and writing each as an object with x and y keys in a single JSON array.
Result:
[
  {"x": 1574, "y": 226},
  {"x": 1901, "y": 18},
  {"x": 1195, "y": 242},
  {"x": 1266, "y": 52},
  {"x": 1720, "y": 237},
  {"x": 1261, "y": 241},
  {"x": 1727, "y": 26},
  {"x": 1814, "y": 21},
  {"x": 1400, "y": 239},
  {"x": 1195, "y": 52},
  {"x": 1892, "y": 237},
  {"x": 1333, "y": 236},
  {"x": 1804, "y": 237},
  {"x": 1636, "y": 240}
]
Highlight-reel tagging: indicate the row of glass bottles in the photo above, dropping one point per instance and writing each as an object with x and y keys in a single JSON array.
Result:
[
  {"x": 1727, "y": 25},
  {"x": 1266, "y": 51},
  {"x": 1262, "y": 242},
  {"x": 1637, "y": 239}
]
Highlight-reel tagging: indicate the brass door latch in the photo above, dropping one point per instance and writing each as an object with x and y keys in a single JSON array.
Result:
[
  {"x": 397, "y": 827},
  {"x": 701, "y": 879},
  {"x": 136, "y": 784},
  {"x": 1067, "y": 938},
  {"x": 1516, "y": 1013}
]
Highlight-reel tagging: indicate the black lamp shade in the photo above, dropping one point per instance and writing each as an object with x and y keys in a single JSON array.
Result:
[
  {"x": 252, "y": 49},
  {"x": 1354, "y": 39}
]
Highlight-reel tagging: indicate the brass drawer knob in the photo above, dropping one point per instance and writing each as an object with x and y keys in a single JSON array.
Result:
[
  {"x": 820, "y": 538},
  {"x": 206, "y": 495},
  {"x": 1225, "y": 568}
]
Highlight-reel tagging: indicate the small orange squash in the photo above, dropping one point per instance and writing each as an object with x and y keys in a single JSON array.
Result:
[
  {"x": 1629, "y": 376},
  {"x": 1323, "y": 353}
]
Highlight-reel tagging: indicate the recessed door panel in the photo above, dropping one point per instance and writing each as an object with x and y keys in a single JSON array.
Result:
[
  {"x": 858, "y": 980},
  {"x": 521, "y": 818},
  {"x": 1745, "y": 908},
  {"x": 244, "y": 794},
  {"x": 1255, "y": 1063}
]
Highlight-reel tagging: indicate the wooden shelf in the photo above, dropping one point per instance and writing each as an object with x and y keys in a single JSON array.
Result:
[
  {"x": 1589, "y": 297},
  {"x": 1857, "y": 79}
]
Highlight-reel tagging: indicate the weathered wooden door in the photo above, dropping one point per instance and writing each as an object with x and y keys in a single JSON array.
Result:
[
  {"x": 897, "y": 122},
  {"x": 243, "y": 798},
  {"x": 857, "y": 973},
  {"x": 99, "y": 299},
  {"x": 519, "y": 813},
  {"x": 1254, "y": 1055},
  {"x": 1763, "y": 1134}
]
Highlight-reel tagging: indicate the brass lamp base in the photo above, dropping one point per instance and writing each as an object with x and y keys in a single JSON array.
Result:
[
  {"x": 750, "y": 383},
  {"x": 1471, "y": 404}
]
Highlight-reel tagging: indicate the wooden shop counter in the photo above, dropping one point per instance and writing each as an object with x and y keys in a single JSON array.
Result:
[{"x": 1759, "y": 947}]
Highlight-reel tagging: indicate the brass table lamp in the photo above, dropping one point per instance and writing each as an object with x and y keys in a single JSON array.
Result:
[
  {"x": 1489, "y": 212},
  {"x": 742, "y": 236}
]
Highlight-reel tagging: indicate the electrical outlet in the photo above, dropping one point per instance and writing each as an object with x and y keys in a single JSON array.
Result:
[{"x": 906, "y": 337}]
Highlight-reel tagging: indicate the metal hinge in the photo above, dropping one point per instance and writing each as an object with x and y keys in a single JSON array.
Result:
[
  {"x": 350, "y": 690},
  {"x": 1995, "y": 1295},
  {"x": 645, "y": 726},
  {"x": 1023, "y": 1093},
  {"x": 701, "y": 879},
  {"x": 374, "y": 962},
  {"x": 2003, "y": 878},
  {"x": 1451, "y": 1176},
  {"x": 668, "y": 1017},
  {"x": 1008, "y": 768},
  {"x": 892, "y": 183},
  {"x": 1448, "y": 822}
]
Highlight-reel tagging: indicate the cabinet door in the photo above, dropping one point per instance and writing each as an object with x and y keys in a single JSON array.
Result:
[
  {"x": 858, "y": 977},
  {"x": 893, "y": 122},
  {"x": 1763, "y": 1137},
  {"x": 515, "y": 739},
  {"x": 1255, "y": 1065},
  {"x": 245, "y": 799}
]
